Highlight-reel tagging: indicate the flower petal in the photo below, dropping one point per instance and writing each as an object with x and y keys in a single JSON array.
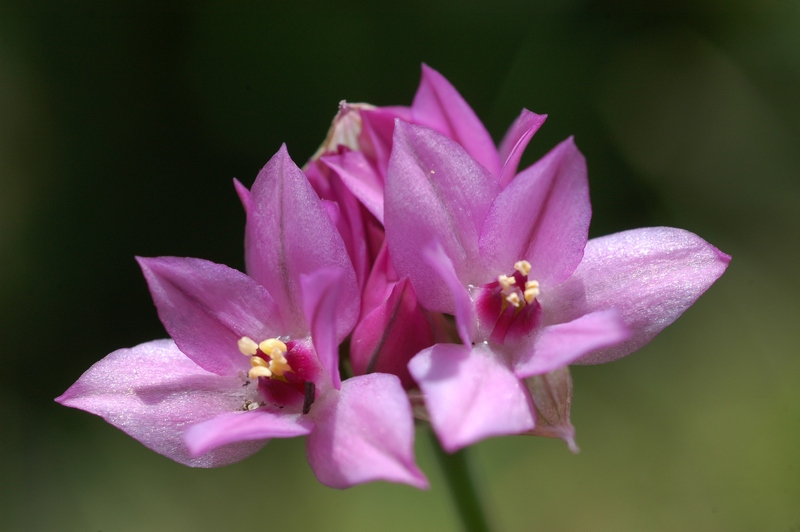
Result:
[
  {"x": 462, "y": 306},
  {"x": 207, "y": 307},
  {"x": 153, "y": 392},
  {"x": 649, "y": 275},
  {"x": 556, "y": 346},
  {"x": 471, "y": 394},
  {"x": 364, "y": 432},
  {"x": 289, "y": 234},
  {"x": 434, "y": 191},
  {"x": 515, "y": 142},
  {"x": 256, "y": 425},
  {"x": 396, "y": 330},
  {"x": 361, "y": 179},
  {"x": 439, "y": 106},
  {"x": 322, "y": 292},
  {"x": 541, "y": 216},
  {"x": 552, "y": 398}
]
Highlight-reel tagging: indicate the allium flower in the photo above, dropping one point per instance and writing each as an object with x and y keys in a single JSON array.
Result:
[
  {"x": 255, "y": 357},
  {"x": 511, "y": 262}
]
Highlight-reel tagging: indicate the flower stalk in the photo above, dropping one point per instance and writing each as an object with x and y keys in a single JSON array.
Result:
[{"x": 462, "y": 486}]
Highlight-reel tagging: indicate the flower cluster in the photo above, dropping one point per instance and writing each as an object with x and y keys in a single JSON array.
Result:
[{"x": 466, "y": 287}]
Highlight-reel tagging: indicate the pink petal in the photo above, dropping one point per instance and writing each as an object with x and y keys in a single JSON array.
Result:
[
  {"x": 244, "y": 195},
  {"x": 552, "y": 398},
  {"x": 439, "y": 106},
  {"x": 153, "y": 392},
  {"x": 289, "y": 234},
  {"x": 434, "y": 191},
  {"x": 462, "y": 306},
  {"x": 207, "y": 307},
  {"x": 259, "y": 425},
  {"x": 361, "y": 179},
  {"x": 322, "y": 291},
  {"x": 378, "y": 126},
  {"x": 541, "y": 216},
  {"x": 364, "y": 432},
  {"x": 556, "y": 346},
  {"x": 386, "y": 339},
  {"x": 649, "y": 275},
  {"x": 515, "y": 141},
  {"x": 471, "y": 394}
]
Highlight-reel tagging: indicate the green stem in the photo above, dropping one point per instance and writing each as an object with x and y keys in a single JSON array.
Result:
[{"x": 462, "y": 487}]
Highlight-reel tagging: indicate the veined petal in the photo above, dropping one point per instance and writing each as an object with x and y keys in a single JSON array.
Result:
[
  {"x": 471, "y": 394},
  {"x": 434, "y": 191},
  {"x": 360, "y": 177},
  {"x": 552, "y": 398},
  {"x": 364, "y": 432},
  {"x": 393, "y": 332},
  {"x": 207, "y": 307},
  {"x": 378, "y": 127},
  {"x": 515, "y": 142},
  {"x": 288, "y": 234},
  {"x": 153, "y": 392},
  {"x": 649, "y": 275},
  {"x": 556, "y": 346},
  {"x": 322, "y": 292},
  {"x": 259, "y": 425},
  {"x": 541, "y": 216},
  {"x": 462, "y": 306},
  {"x": 439, "y": 106}
]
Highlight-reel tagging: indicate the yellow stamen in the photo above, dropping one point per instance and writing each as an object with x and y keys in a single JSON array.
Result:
[
  {"x": 523, "y": 267},
  {"x": 513, "y": 298},
  {"x": 273, "y": 348},
  {"x": 247, "y": 346},
  {"x": 258, "y": 361},
  {"x": 506, "y": 281},
  {"x": 259, "y": 371}
]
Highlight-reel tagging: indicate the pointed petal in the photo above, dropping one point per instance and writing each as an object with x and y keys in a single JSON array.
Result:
[
  {"x": 462, "y": 307},
  {"x": 439, "y": 106},
  {"x": 153, "y": 392},
  {"x": 389, "y": 336},
  {"x": 289, "y": 234},
  {"x": 556, "y": 346},
  {"x": 259, "y": 425},
  {"x": 471, "y": 394},
  {"x": 378, "y": 126},
  {"x": 541, "y": 216},
  {"x": 434, "y": 191},
  {"x": 360, "y": 177},
  {"x": 364, "y": 432},
  {"x": 322, "y": 292},
  {"x": 649, "y": 275},
  {"x": 515, "y": 142},
  {"x": 552, "y": 398},
  {"x": 207, "y": 307},
  {"x": 244, "y": 195}
]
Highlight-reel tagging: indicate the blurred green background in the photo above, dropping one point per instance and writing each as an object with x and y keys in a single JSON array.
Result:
[{"x": 122, "y": 124}]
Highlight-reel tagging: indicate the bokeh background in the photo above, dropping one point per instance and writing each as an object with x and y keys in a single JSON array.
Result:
[{"x": 123, "y": 123}]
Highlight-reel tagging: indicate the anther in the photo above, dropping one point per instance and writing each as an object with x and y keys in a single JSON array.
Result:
[
  {"x": 258, "y": 361},
  {"x": 531, "y": 291},
  {"x": 259, "y": 371},
  {"x": 523, "y": 267},
  {"x": 513, "y": 298},
  {"x": 273, "y": 348},
  {"x": 506, "y": 281},
  {"x": 247, "y": 346}
]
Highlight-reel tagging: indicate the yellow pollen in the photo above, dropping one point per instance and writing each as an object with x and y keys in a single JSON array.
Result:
[
  {"x": 513, "y": 298},
  {"x": 258, "y": 361},
  {"x": 259, "y": 371},
  {"x": 531, "y": 291},
  {"x": 247, "y": 346},
  {"x": 506, "y": 281},
  {"x": 523, "y": 267},
  {"x": 273, "y": 348}
]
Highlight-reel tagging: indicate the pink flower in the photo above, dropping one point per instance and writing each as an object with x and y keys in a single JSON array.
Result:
[
  {"x": 510, "y": 260},
  {"x": 255, "y": 357}
]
